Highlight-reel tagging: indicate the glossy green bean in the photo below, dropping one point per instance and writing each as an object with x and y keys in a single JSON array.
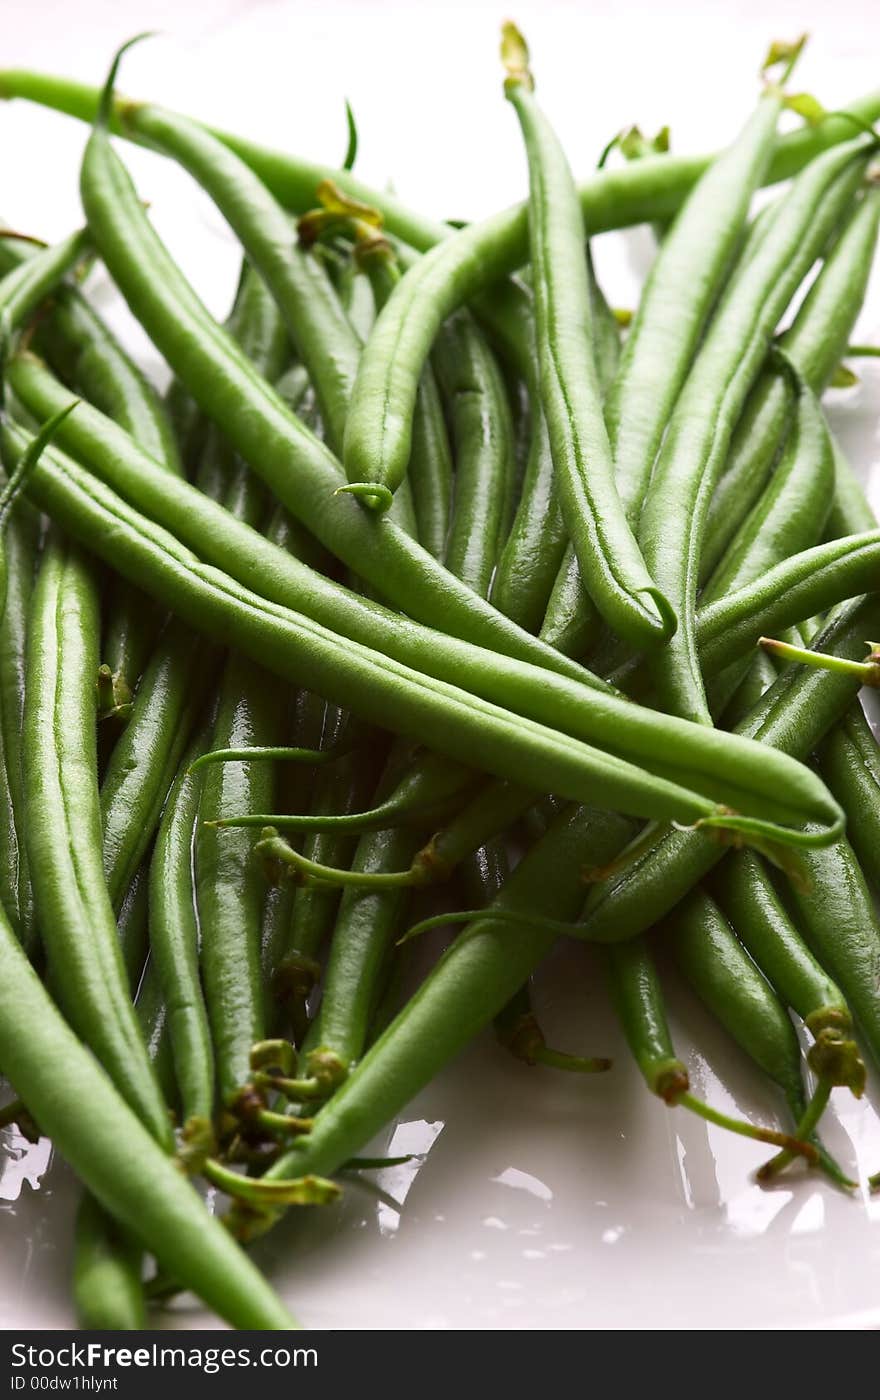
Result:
[
  {"x": 132, "y": 925},
  {"x": 152, "y": 1017},
  {"x": 838, "y": 918},
  {"x": 531, "y": 557},
  {"x": 478, "y": 974},
  {"x": 24, "y": 287},
  {"x": 21, "y": 545},
  {"x": 362, "y": 941},
  {"x": 801, "y": 587},
  {"x": 814, "y": 344},
  {"x": 115, "y": 1156},
  {"x": 147, "y": 754},
  {"x": 430, "y": 467},
  {"x": 791, "y": 513},
  {"x": 257, "y": 328},
  {"x": 562, "y": 613},
  {"x": 91, "y": 360},
  {"x": 107, "y": 1289},
  {"x": 265, "y": 433},
  {"x": 450, "y": 275},
  {"x": 714, "y": 962},
  {"x": 482, "y": 441},
  {"x": 339, "y": 791},
  {"x": 659, "y": 352},
  {"x": 610, "y": 563},
  {"x": 229, "y": 884},
  {"x": 699, "y": 433},
  {"x": 321, "y": 332},
  {"x": 747, "y": 897},
  {"x": 64, "y": 829},
  {"x": 174, "y": 940},
  {"x": 849, "y": 761},
  {"x": 638, "y": 998},
  {"x": 795, "y": 714},
  {"x": 715, "y": 752},
  {"x": 428, "y": 790}
]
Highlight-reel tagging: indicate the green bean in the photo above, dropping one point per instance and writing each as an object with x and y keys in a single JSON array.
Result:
[
  {"x": 290, "y": 977},
  {"x": 258, "y": 560},
  {"x": 711, "y": 400},
  {"x": 425, "y": 793},
  {"x": 430, "y": 467},
  {"x": 107, "y": 1288},
  {"x": 358, "y": 302},
  {"x": 726, "y": 980},
  {"x": 747, "y": 897},
  {"x": 257, "y": 328},
  {"x": 453, "y": 274},
  {"x": 88, "y": 356},
  {"x": 64, "y": 829},
  {"x": 22, "y": 289},
  {"x": 531, "y": 557},
  {"x": 115, "y": 1156},
  {"x": 21, "y": 544},
  {"x": 27, "y": 285},
  {"x": 229, "y": 886},
  {"x": 92, "y": 361},
  {"x": 132, "y": 926},
  {"x": 368, "y": 920},
  {"x": 566, "y": 618},
  {"x": 839, "y": 921},
  {"x": 663, "y": 339},
  {"x": 255, "y": 420},
  {"x": 799, "y": 588},
  {"x": 147, "y": 754},
  {"x": 362, "y": 940},
  {"x": 813, "y": 344},
  {"x": 477, "y": 975},
  {"x": 145, "y": 758},
  {"x": 482, "y": 439},
  {"x": 153, "y": 1020},
  {"x": 613, "y": 570},
  {"x": 518, "y": 1029},
  {"x": 189, "y": 424},
  {"x": 321, "y": 332},
  {"x": 174, "y": 939},
  {"x": 429, "y": 471},
  {"x": 795, "y": 715},
  {"x": 106, "y": 1264},
  {"x": 676, "y": 301},
  {"x": 385, "y": 691},
  {"x": 340, "y": 790},
  {"x": 849, "y": 761},
  {"x": 611, "y": 198},
  {"x": 516, "y": 1026},
  {"x": 791, "y": 513},
  {"x": 637, "y": 997}
]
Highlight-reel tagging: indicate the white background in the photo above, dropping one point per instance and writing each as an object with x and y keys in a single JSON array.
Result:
[{"x": 546, "y": 1201}]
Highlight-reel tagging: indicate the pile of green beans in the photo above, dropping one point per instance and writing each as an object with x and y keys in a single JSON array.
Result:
[{"x": 426, "y": 572}]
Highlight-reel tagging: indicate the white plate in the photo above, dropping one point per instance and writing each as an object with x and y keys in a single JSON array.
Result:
[{"x": 540, "y": 1200}]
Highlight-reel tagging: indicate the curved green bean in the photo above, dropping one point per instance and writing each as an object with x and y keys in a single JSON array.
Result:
[
  {"x": 115, "y": 1156},
  {"x": 699, "y": 432},
  {"x": 611, "y": 565},
  {"x": 64, "y": 829}
]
